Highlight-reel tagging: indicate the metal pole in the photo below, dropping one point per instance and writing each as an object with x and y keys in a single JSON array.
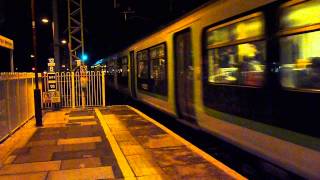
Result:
[
  {"x": 55, "y": 33},
  {"x": 81, "y": 26},
  {"x": 11, "y": 61},
  {"x": 37, "y": 92},
  {"x": 70, "y": 39}
]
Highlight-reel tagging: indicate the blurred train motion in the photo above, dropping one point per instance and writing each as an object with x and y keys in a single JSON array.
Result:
[{"x": 247, "y": 72}]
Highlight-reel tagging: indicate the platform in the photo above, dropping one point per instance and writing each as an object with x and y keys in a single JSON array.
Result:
[{"x": 116, "y": 142}]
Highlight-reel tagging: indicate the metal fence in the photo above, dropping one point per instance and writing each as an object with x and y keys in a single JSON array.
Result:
[
  {"x": 16, "y": 100},
  {"x": 78, "y": 90}
]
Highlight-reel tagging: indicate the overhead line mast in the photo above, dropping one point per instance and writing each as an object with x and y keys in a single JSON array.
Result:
[{"x": 75, "y": 28}]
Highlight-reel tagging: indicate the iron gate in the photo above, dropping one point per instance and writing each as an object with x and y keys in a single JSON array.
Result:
[{"x": 78, "y": 89}]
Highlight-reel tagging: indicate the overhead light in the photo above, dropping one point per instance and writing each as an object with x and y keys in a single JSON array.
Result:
[
  {"x": 31, "y": 55},
  {"x": 63, "y": 41},
  {"x": 45, "y": 20}
]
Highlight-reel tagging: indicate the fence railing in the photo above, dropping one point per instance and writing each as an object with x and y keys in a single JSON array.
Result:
[
  {"x": 16, "y": 100},
  {"x": 78, "y": 90}
]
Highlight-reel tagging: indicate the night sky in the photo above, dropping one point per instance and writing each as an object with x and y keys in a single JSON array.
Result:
[{"x": 106, "y": 31}]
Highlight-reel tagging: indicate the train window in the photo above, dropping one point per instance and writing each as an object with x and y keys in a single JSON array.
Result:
[
  {"x": 124, "y": 69},
  {"x": 158, "y": 73},
  {"x": 300, "y": 50},
  {"x": 236, "y": 52},
  {"x": 143, "y": 67},
  {"x": 300, "y": 15},
  {"x": 143, "y": 70},
  {"x": 110, "y": 71}
]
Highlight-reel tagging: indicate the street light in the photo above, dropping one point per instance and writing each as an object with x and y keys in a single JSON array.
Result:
[
  {"x": 45, "y": 20},
  {"x": 63, "y": 41}
]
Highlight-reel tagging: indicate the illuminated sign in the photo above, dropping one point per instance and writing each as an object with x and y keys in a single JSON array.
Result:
[{"x": 6, "y": 43}]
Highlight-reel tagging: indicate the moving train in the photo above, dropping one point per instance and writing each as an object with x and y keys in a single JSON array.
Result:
[{"x": 248, "y": 72}]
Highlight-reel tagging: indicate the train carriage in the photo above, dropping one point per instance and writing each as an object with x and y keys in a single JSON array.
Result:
[{"x": 247, "y": 72}]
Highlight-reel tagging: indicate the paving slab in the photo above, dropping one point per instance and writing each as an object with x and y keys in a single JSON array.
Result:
[
  {"x": 83, "y": 174},
  {"x": 30, "y": 167},
  {"x": 79, "y": 140},
  {"x": 9, "y": 160},
  {"x": 29, "y": 176},
  {"x": 79, "y": 147},
  {"x": 143, "y": 165},
  {"x": 80, "y": 163}
]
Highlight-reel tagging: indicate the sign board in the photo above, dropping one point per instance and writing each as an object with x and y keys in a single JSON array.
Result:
[
  {"x": 55, "y": 97},
  {"x": 46, "y": 97},
  {"x": 51, "y": 97},
  {"x": 6, "y": 43},
  {"x": 52, "y": 86},
  {"x": 52, "y": 77},
  {"x": 51, "y": 64},
  {"x": 78, "y": 62}
]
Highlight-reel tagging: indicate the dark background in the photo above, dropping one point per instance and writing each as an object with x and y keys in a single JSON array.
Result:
[{"x": 105, "y": 29}]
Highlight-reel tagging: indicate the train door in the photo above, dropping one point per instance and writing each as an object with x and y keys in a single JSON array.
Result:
[
  {"x": 133, "y": 75},
  {"x": 184, "y": 76}
]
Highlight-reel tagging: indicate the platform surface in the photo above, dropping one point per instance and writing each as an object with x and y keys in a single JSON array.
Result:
[{"x": 116, "y": 142}]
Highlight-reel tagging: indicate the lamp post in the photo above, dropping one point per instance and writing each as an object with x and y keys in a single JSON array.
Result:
[{"x": 37, "y": 92}]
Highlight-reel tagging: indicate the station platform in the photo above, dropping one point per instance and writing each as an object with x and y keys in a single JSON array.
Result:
[{"x": 115, "y": 142}]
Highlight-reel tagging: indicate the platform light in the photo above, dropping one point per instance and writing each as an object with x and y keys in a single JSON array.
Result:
[
  {"x": 63, "y": 41},
  {"x": 45, "y": 20},
  {"x": 84, "y": 57}
]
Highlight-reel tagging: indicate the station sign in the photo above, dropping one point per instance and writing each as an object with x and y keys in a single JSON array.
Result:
[
  {"x": 52, "y": 77},
  {"x": 52, "y": 86},
  {"x": 52, "y": 81},
  {"x": 51, "y": 97},
  {"x": 6, "y": 43}
]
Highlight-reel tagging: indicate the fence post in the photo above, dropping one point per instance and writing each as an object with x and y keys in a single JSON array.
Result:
[
  {"x": 103, "y": 90},
  {"x": 8, "y": 98},
  {"x": 73, "y": 99}
]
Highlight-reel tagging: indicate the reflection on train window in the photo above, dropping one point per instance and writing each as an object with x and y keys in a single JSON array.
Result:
[
  {"x": 300, "y": 53},
  {"x": 110, "y": 71},
  {"x": 246, "y": 29},
  {"x": 124, "y": 69},
  {"x": 300, "y": 58},
  {"x": 158, "y": 73},
  {"x": 303, "y": 14},
  {"x": 231, "y": 61},
  {"x": 142, "y": 58}
]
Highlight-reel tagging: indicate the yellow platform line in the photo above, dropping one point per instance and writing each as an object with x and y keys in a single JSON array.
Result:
[
  {"x": 80, "y": 117},
  {"x": 195, "y": 149},
  {"x": 122, "y": 161}
]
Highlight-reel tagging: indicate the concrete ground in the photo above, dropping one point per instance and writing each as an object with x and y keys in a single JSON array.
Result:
[{"x": 116, "y": 142}]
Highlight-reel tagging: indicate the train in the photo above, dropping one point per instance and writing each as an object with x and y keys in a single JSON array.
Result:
[{"x": 247, "y": 72}]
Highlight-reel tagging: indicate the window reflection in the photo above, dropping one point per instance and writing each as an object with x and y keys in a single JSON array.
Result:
[
  {"x": 158, "y": 69},
  {"x": 142, "y": 65},
  {"x": 124, "y": 63},
  {"x": 239, "y": 64},
  {"x": 300, "y": 57},
  {"x": 300, "y": 53},
  {"x": 303, "y": 14}
]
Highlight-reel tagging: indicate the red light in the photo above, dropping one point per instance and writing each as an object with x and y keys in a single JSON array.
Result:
[{"x": 33, "y": 68}]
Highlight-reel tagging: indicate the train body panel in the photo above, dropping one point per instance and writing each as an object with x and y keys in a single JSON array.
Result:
[{"x": 248, "y": 111}]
